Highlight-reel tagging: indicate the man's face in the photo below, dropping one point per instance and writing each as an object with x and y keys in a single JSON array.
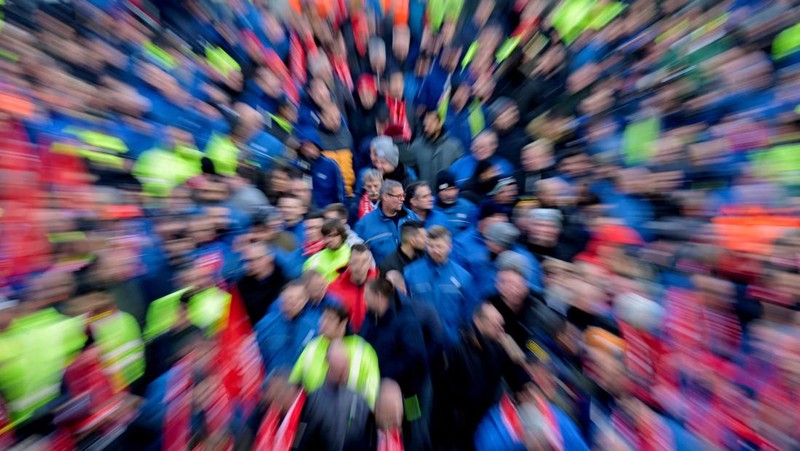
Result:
[
  {"x": 432, "y": 124},
  {"x": 484, "y": 146},
  {"x": 439, "y": 249},
  {"x": 331, "y": 326},
  {"x": 293, "y": 299},
  {"x": 401, "y": 41},
  {"x": 359, "y": 266},
  {"x": 368, "y": 96},
  {"x": 449, "y": 195},
  {"x": 461, "y": 96},
  {"x": 291, "y": 208},
  {"x": 256, "y": 259},
  {"x": 317, "y": 286},
  {"x": 396, "y": 86},
  {"x": 536, "y": 157},
  {"x": 333, "y": 216},
  {"x": 507, "y": 194},
  {"x": 490, "y": 323},
  {"x": 512, "y": 288},
  {"x": 373, "y": 189},
  {"x": 420, "y": 240},
  {"x": 423, "y": 199},
  {"x": 313, "y": 229},
  {"x": 332, "y": 118},
  {"x": 301, "y": 189},
  {"x": 544, "y": 233},
  {"x": 375, "y": 302},
  {"x": 507, "y": 118},
  {"x": 393, "y": 201}
]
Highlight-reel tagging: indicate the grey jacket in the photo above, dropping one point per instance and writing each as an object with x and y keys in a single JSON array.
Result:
[{"x": 435, "y": 156}]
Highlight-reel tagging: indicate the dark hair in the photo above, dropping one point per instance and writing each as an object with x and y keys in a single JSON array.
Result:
[
  {"x": 207, "y": 166},
  {"x": 438, "y": 232},
  {"x": 333, "y": 226},
  {"x": 340, "y": 311},
  {"x": 381, "y": 286},
  {"x": 316, "y": 214},
  {"x": 337, "y": 208},
  {"x": 409, "y": 229},
  {"x": 412, "y": 189},
  {"x": 359, "y": 248}
]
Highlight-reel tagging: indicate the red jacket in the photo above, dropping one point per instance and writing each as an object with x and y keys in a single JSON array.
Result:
[{"x": 352, "y": 296}]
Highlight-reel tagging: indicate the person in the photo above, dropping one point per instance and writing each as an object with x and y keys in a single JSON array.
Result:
[
  {"x": 504, "y": 193},
  {"x": 461, "y": 213},
  {"x": 537, "y": 163},
  {"x": 389, "y": 416},
  {"x": 311, "y": 367},
  {"x": 324, "y": 173},
  {"x": 362, "y": 119},
  {"x": 483, "y": 149},
  {"x": 472, "y": 382},
  {"x": 335, "y": 417},
  {"x": 464, "y": 118},
  {"x": 395, "y": 334},
  {"x": 381, "y": 228},
  {"x": 511, "y": 137},
  {"x": 414, "y": 238},
  {"x": 419, "y": 199},
  {"x": 262, "y": 282},
  {"x": 434, "y": 150},
  {"x": 178, "y": 154},
  {"x": 336, "y": 253},
  {"x": 477, "y": 249},
  {"x": 339, "y": 213},
  {"x": 284, "y": 331},
  {"x": 436, "y": 279},
  {"x": 292, "y": 211},
  {"x": 336, "y": 143},
  {"x": 245, "y": 197},
  {"x": 373, "y": 179},
  {"x": 349, "y": 285},
  {"x": 385, "y": 157},
  {"x": 524, "y": 315},
  {"x": 400, "y": 110}
]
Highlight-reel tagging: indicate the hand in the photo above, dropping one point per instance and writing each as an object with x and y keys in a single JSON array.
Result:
[
  {"x": 397, "y": 280},
  {"x": 512, "y": 349}
]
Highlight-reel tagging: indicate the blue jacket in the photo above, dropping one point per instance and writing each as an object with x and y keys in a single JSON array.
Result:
[
  {"x": 464, "y": 168},
  {"x": 449, "y": 288},
  {"x": 456, "y": 124},
  {"x": 397, "y": 339},
  {"x": 380, "y": 233},
  {"x": 436, "y": 218},
  {"x": 494, "y": 432},
  {"x": 280, "y": 339},
  {"x": 327, "y": 183},
  {"x": 471, "y": 252},
  {"x": 264, "y": 150},
  {"x": 460, "y": 216}
]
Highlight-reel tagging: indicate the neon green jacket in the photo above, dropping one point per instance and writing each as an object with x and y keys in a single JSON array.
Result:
[
  {"x": 365, "y": 376},
  {"x": 34, "y": 352},
  {"x": 328, "y": 262},
  {"x": 122, "y": 350},
  {"x": 207, "y": 310},
  {"x": 161, "y": 170}
]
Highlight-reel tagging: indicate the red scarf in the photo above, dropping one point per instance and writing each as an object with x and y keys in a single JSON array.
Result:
[
  {"x": 297, "y": 60},
  {"x": 275, "y": 434},
  {"x": 342, "y": 70},
  {"x": 365, "y": 206},
  {"x": 313, "y": 247},
  {"x": 398, "y": 120},
  {"x": 390, "y": 441}
]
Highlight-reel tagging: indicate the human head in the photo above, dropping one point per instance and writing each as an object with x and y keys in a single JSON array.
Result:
[
  {"x": 373, "y": 179},
  {"x": 432, "y": 124},
  {"x": 377, "y": 295},
  {"x": 537, "y": 155},
  {"x": 331, "y": 117},
  {"x": 462, "y": 91},
  {"x": 447, "y": 190},
  {"x": 501, "y": 236},
  {"x": 484, "y": 145},
  {"x": 336, "y": 211},
  {"x": 367, "y": 92},
  {"x": 545, "y": 227},
  {"x": 439, "y": 244},
  {"x": 257, "y": 259},
  {"x": 310, "y": 149},
  {"x": 504, "y": 113},
  {"x": 396, "y": 84},
  {"x": 301, "y": 190},
  {"x": 360, "y": 263},
  {"x": 316, "y": 284},
  {"x": 320, "y": 68},
  {"x": 319, "y": 91},
  {"x": 512, "y": 272},
  {"x": 401, "y": 41},
  {"x": 293, "y": 299},
  {"x": 488, "y": 321},
  {"x": 413, "y": 234},
  {"x": 384, "y": 154},
  {"x": 291, "y": 207},
  {"x": 334, "y": 234},
  {"x": 334, "y": 321},
  {"x": 392, "y": 196},
  {"x": 489, "y": 214},
  {"x": 312, "y": 227},
  {"x": 505, "y": 191},
  {"x": 377, "y": 55},
  {"x": 419, "y": 197},
  {"x": 250, "y": 121}
]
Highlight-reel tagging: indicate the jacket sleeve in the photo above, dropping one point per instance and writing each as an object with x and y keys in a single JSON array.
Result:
[{"x": 341, "y": 193}]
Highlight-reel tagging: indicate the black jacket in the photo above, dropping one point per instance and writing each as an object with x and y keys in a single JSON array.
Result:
[
  {"x": 336, "y": 419},
  {"x": 396, "y": 261},
  {"x": 534, "y": 320},
  {"x": 397, "y": 339},
  {"x": 510, "y": 143},
  {"x": 258, "y": 295}
]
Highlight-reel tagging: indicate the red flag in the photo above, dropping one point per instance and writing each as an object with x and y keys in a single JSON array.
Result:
[
  {"x": 240, "y": 359},
  {"x": 275, "y": 434}
]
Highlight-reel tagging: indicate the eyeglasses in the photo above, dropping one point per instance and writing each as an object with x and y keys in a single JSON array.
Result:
[{"x": 400, "y": 196}]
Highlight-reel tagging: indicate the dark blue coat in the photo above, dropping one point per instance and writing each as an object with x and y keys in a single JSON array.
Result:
[
  {"x": 327, "y": 183},
  {"x": 381, "y": 233},
  {"x": 280, "y": 339},
  {"x": 449, "y": 288},
  {"x": 460, "y": 216}
]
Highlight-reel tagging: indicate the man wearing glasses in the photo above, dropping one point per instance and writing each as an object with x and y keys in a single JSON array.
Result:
[{"x": 380, "y": 229}]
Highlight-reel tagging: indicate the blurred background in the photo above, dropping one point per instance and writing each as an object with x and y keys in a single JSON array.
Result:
[{"x": 172, "y": 172}]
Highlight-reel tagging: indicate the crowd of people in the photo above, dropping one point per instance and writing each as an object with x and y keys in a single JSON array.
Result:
[{"x": 400, "y": 224}]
